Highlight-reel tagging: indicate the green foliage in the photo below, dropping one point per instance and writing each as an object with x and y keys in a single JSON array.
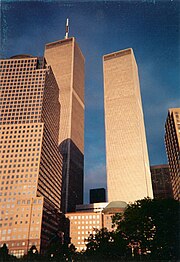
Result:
[
  {"x": 152, "y": 225},
  {"x": 106, "y": 245},
  {"x": 60, "y": 252},
  {"x": 4, "y": 254},
  {"x": 32, "y": 255},
  {"x": 148, "y": 230}
]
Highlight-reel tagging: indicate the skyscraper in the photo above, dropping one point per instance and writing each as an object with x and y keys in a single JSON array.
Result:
[
  {"x": 31, "y": 165},
  {"x": 172, "y": 142},
  {"x": 128, "y": 173},
  {"x": 67, "y": 62},
  {"x": 161, "y": 181},
  {"x": 97, "y": 195}
]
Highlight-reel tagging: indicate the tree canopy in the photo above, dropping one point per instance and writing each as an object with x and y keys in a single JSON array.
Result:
[{"x": 148, "y": 229}]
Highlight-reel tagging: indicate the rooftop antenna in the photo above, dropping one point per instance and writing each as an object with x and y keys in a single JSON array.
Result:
[{"x": 67, "y": 28}]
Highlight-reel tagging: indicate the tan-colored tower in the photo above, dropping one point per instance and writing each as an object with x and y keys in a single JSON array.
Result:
[
  {"x": 67, "y": 63},
  {"x": 31, "y": 165},
  {"x": 172, "y": 141},
  {"x": 128, "y": 172}
]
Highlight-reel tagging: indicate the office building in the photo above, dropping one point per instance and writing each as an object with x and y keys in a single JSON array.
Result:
[
  {"x": 127, "y": 163},
  {"x": 31, "y": 165},
  {"x": 97, "y": 195},
  {"x": 161, "y": 181},
  {"x": 172, "y": 142},
  {"x": 67, "y": 62},
  {"x": 95, "y": 207},
  {"x": 88, "y": 218}
]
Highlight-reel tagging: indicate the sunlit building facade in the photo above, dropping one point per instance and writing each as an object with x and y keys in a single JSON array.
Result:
[
  {"x": 127, "y": 163},
  {"x": 172, "y": 142},
  {"x": 89, "y": 218},
  {"x": 31, "y": 165},
  {"x": 67, "y": 62}
]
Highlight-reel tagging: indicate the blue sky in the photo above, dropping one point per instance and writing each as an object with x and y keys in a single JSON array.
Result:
[{"x": 151, "y": 28}]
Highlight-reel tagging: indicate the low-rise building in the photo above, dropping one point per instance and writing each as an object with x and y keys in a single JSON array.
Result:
[{"x": 90, "y": 217}]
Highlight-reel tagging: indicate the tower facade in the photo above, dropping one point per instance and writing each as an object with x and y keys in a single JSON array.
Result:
[
  {"x": 161, "y": 181},
  {"x": 172, "y": 142},
  {"x": 67, "y": 62},
  {"x": 31, "y": 165},
  {"x": 128, "y": 172}
]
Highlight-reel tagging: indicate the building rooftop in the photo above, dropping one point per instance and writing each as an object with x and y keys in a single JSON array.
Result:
[
  {"x": 115, "y": 207},
  {"x": 118, "y": 53},
  {"x": 159, "y": 166}
]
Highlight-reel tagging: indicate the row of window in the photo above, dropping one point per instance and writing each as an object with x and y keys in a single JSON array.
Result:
[
  {"x": 84, "y": 222},
  {"x": 22, "y": 96},
  {"x": 22, "y": 145},
  {"x": 86, "y": 232},
  {"x": 31, "y": 74},
  {"x": 17, "y": 100},
  {"x": 17, "y": 115},
  {"x": 85, "y": 217},
  {"x": 20, "y": 193},
  {"x": 17, "y": 182},
  {"x": 21, "y": 109},
  {"x": 88, "y": 227},
  {"x": 23, "y": 127},
  {"x": 20, "y": 104},
  {"x": 21, "y": 69},
  {"x": 19, "y": 160},
  {"x": 20, "y": 136},
  {"x": 89, "y": 222},
  {"x": 19, "y": 150},
  {"x": 19, "y": 85},
  {"x": 3, "y": 238},
  {"x": 20, "y": 73},
  {"x": 19, "y": 119},
  {"x": 18, "y": 61},
  {"x": 20, "y": 141},
  {"x": 25, "y": 90},
  {"x": 19, "y": 165},
  {"x": 24, "y": 81}
]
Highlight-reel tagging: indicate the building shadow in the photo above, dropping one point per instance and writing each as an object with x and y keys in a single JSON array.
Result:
[{"x": 72, "y": 176}]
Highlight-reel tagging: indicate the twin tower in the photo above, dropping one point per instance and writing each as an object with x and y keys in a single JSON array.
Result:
[
  {"x": 42, "y": 140},
  {"x": 128, "y": 172}
]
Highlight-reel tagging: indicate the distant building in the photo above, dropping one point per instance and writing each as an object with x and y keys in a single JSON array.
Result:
[
  {"x": 127, "y": 162},
  {"x": 95, "y": 207},
  {"x": 161, "y": 181},
  {"x": 31, "y": 165},
  {"x": 67, "y": 62},
  {"x": 172, "y": 142},
  {"x": 85, "y": 222},
  {"x": 97, "y": 195}
]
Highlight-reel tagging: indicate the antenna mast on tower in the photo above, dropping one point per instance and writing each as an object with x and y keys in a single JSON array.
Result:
[{"x": 67, "y": 28}]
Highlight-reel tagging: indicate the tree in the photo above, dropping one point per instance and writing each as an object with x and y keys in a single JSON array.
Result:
[
  {"x": 60, "y": 252},
  {"x": 4, "y": 254},
  {"x": 106, "y": 245},
  {"x": 32, "y": 255},
  {"x": 151, "y": 228}
]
